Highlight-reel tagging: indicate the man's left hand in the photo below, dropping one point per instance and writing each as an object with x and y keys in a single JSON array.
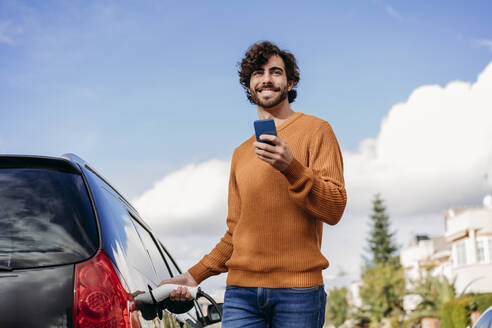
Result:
[{"x": 278, "y": 156}]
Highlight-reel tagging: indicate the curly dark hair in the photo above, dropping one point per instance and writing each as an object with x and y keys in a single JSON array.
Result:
[{"x": 258, "y": 55}]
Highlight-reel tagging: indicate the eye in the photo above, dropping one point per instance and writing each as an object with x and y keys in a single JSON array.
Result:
[{"x": 255, "y": 73}]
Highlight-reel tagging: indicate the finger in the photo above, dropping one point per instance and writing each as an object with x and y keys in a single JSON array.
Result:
[
  {"x": 182, "y": 293},
  {"x": 172, "y": 295},
  {"x": 264, "y": 153},
  {"x": 176, "y": 294},
  {"x": 272, "y": 155},
  {"x": 265, "y": 159},
  {"x": 186, "y": 294},
  {"x": 275, "y": 139},
  {"x": 265, "y": 146}
]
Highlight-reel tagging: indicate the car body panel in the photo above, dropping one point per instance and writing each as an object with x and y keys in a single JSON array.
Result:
[
  {"x": 37, "y": 297},
  {"x": 132, "y": 247}
]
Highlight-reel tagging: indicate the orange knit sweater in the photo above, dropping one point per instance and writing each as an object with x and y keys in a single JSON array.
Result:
[{"x": 275, "y": 219}]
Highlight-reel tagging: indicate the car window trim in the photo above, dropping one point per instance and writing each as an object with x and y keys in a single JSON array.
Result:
[
  {"x": 111, "y": 186},
  {"x": 155, "y": 240},
  {"x": 170, "y": 257},
  {"x": 94, "y": 207}
]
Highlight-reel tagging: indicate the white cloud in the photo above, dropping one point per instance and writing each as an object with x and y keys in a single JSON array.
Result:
[
  {"x": 4, "y": 33},
  {"x": 389, "y": 10},
  {"x": 392, "y": 12},
  {"x": 432, "y": 152},
  {"x": 485, "y": 43},
  {"x": 8, "y": 32},
  {"x": 191, "y": 200}
]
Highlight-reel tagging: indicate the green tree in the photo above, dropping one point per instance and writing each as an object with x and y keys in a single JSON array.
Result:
[
  {"x": 433, "y": 292},
  {"x": 336, "y": 306},
  {"x": 382, "y": 292},
  {"x": 381, "y": 245},
  {"x": 383, "y": 279}
]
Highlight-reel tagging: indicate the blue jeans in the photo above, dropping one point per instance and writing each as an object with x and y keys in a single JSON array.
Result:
[{"x": 274, "y": 307}]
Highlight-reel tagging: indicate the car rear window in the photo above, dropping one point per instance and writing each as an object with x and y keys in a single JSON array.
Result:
[{"x": 46, "y": 218}]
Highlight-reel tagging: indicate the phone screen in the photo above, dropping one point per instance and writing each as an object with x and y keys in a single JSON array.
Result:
[{"x": 265, "y": 127}]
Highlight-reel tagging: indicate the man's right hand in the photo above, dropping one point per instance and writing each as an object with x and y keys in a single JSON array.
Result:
[{"x": 180, "y": 293}]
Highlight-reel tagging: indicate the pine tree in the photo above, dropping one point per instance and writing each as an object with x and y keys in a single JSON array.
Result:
[
  {"x": 383, "y": 279},
  {"x": 381, "y": 245}
]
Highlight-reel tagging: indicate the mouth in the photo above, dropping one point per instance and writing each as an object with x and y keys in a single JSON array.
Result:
[{"x": 268, "y": 90}]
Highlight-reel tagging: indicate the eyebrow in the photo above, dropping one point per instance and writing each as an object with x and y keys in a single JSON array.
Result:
[{"x": 270, "y": 69}]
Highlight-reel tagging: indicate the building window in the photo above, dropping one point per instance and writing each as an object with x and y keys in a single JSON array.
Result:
[
  {"x": 490, "y": 249},
  {"x": 481, "y": 250},
  {"x": 460, "y": 251}
]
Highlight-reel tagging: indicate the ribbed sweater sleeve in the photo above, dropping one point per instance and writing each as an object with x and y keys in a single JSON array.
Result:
[
  {"x": 214, "y": 262},
  {"x": 319, "y": 188}
]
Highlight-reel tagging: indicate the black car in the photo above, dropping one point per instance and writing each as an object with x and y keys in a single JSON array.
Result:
[{"x": 74, "y": 252}]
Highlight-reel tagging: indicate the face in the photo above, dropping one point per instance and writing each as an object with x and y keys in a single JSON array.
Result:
[{"x": 268, "y": 85}]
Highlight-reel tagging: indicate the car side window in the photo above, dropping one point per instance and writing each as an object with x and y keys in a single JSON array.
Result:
[
  {"x": 172, "y": 264},
  {"x": 160, "y": 266},
  {"x": 119, "y": 233}
]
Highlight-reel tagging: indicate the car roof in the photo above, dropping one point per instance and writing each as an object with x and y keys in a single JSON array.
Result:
[{"x": 34, "y": 161}]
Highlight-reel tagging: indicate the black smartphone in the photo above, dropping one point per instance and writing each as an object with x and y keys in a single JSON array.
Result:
[{"x": 265, "y": 127}]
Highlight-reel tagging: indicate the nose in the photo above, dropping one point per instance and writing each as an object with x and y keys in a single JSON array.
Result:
[{"x": 266, "y": 78}]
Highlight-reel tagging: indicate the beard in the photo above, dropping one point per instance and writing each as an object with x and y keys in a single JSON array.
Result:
[{"x": 272, "y": 102}]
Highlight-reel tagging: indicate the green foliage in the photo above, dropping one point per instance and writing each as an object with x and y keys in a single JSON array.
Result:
[
  {"x": 381, "y": 245},
  {"x": 461, "y": 313},
  {"x": 360, "y": 317},
  {"x": 446, "y": 313},
  {"x": 336, "y": 306},
  {"x": 482, "y": 301},
  {"x": 383, "y": 279},
  {"x": 382, "y": 291},
  {"x": 456, "y": 313},
  {"x": 434, "y": 292}
]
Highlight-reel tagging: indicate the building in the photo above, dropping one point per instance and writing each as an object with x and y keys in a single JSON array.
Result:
[
  {"x": 469, "y": 230},
  {"x": 424, "y": 255},
  {"x": 464, "y": 252}
]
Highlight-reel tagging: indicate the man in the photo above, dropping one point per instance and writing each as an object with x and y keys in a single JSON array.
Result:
[{"x": 279, "y": 197}]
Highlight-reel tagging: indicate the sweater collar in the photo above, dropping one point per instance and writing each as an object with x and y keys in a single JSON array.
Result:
[{"x": 289, "y": 121}]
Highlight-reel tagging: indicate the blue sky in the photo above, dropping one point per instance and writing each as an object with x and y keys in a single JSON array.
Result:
[
  {"x": 142, "y": 89},
  {"x": 121, "y": 83}
]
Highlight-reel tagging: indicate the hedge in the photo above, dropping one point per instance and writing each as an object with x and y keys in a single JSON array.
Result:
[
  {"x": 483, "y": 301},
  {"x": 456, "y": 313}
]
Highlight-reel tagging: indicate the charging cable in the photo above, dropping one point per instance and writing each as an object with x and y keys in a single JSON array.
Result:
[{"x": 156, "y": 298}]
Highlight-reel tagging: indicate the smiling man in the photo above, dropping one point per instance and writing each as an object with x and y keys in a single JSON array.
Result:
[{"x": 279, "y": 198}]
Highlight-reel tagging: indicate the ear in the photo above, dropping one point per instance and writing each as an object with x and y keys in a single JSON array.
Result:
[{"x": 290, "y": 85}]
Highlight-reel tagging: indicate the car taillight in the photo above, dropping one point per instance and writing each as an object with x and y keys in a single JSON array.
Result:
[{"x": 100, "y": 300}]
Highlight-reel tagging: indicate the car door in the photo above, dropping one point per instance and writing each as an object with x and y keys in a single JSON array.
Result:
[
  {"x": 123, "y": 245},
  {"x": 163, "y": 269},
  {"x": 176, "y": 270}
]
